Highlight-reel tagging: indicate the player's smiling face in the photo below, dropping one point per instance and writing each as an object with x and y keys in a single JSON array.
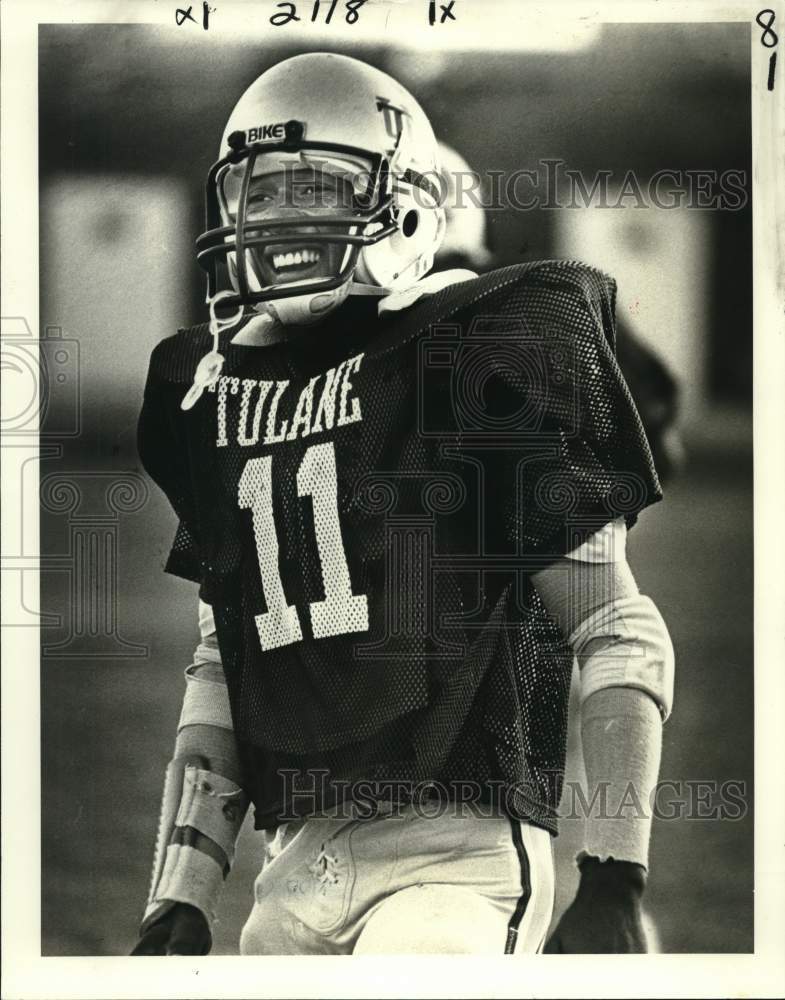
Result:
[{"x": 305, "y": 195}]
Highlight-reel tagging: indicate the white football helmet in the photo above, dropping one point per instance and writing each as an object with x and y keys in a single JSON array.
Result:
[
  {"x": 466, "y": 235},
  {"x": 336, "y": 116}
]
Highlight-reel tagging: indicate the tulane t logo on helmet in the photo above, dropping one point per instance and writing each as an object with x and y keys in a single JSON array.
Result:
[{"x": 393, "y": 118}]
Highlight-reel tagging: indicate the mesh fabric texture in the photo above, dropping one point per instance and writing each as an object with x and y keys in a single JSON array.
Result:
[{"x": 475, "y": 438}]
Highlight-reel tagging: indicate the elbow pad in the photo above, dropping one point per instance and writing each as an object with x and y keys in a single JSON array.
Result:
[{"x": 625, "y": 643}]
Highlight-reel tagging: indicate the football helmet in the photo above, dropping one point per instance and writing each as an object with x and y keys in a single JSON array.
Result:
[
  {"x": 465, "y": 242},
  {"x": 298, "y": 256}
]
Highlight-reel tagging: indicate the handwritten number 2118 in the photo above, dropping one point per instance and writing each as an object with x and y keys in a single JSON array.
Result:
[{"x": 288, "y": 11}]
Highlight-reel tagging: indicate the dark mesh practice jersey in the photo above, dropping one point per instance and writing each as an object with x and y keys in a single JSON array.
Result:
[{"x": 363, "y": 506}]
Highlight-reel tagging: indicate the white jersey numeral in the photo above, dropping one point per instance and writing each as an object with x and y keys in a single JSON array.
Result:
[
  {"x": 341, "y": 611},
  {"x": 279, "y": 625}
]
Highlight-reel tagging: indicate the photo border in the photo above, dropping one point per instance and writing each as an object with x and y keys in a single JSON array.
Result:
[{"x": 25, "y": 973}]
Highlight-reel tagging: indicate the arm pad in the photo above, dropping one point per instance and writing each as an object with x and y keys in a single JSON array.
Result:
[
  {"x": 201, "y": 816},
  {"x": 621, "y": 733},
  {"x": 627, "y": 673},
  {"x": 203, "y": 804},
  {"x": 625, "y": 643}
]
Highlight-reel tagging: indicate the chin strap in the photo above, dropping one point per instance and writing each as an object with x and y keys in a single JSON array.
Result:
[
  {"x": 209, "y": 368},
  {"x": 360, "y": 288}
]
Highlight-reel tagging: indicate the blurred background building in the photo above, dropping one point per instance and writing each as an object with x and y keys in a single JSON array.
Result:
[{"x": 130, "y": 120}]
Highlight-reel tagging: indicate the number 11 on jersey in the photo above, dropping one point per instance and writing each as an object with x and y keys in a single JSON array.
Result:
[{"x": 341, "y": 611}]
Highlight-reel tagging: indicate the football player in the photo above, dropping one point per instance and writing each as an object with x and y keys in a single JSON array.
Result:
[{"x": 404, "y": 497}]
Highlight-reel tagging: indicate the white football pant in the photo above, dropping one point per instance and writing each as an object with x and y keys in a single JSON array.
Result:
[{"x": 403, "y": 883}]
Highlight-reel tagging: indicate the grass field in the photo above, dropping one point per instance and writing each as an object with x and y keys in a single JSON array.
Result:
[{"x": 108, "y": 729}]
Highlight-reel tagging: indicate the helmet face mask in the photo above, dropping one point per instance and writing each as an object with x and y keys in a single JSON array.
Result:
[
  {"x": 306, "y": 194},
  {"x": 297, "y": 212},
  {"x": 291, "y": 218}
]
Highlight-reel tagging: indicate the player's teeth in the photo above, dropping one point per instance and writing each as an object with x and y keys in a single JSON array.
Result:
[{"x": 281, "y": 260}]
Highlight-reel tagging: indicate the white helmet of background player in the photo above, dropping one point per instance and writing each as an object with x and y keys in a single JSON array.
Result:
[
  {"x": 327, "y": 114},
  {"x": 465, "y": 240}
]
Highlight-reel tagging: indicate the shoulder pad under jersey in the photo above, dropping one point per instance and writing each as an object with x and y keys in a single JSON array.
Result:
[{"x": 543, "y": 295}]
